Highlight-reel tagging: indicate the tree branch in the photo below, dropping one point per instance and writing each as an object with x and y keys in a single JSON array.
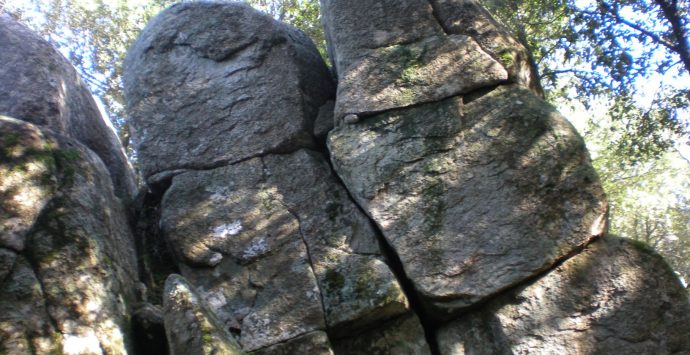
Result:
[
  {"x": 653, "y": 36},
  {"x": 672, "y": 14}
]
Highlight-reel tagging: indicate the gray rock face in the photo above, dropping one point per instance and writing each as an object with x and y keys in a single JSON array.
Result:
[
  {"x": 38, "y": 85},
  {"x": 191, "y": 328},
  {"x": 402, "y": 75},
  {"x": 261, "y": 282},
  {"x": 614, "y": 298},
  {"x": 468, "y": 17},
  {"x": 475, "y": 194},
  {"x": 73, "y": 277},
  {"x": 354, "y": 26},
  {"x": 204, "y": 82},
  {"x": 283, "y": 247}
]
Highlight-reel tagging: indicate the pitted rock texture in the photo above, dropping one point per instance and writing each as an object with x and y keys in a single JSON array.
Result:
[
  {"x": 209, "y": 84},
  {"x": 616, "y": 297},
  {"x": 72, "y": 280},
  {"x": 474, "y": 194},
  {"x": 468, "y": 17},
  {"x": 191, "y": 328},
  {"x": 38, "y": 85},
  {"x": 277, "y": 234},
  {"x": 395, "y": 54}
]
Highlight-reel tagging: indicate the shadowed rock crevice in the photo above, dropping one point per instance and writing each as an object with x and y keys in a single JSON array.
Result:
[{"x": 428, "y": 324}]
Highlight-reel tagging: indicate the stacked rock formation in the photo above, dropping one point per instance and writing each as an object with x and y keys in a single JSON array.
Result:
[
  {"x": 67, "y": 261},
  {"x": 450, "y": 210},
  {"x": 223, "y": 102}
]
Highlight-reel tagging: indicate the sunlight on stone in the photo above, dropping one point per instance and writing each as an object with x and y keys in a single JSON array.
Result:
[
  {"x": 225, "y": 230},
  {"x": 81, "y": 344}
]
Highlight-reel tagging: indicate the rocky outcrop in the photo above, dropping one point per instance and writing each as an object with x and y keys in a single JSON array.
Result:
[
  {"x": 616, "y": 297},
  {"x": 38, "y": 85},
  {"x": 462, "y": 214},
  {"x": 201, "y": 94},
  {"x": 475, "y": 188},
  {"x": 68, "y": 270}
]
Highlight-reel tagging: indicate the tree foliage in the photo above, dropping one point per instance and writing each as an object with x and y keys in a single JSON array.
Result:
[{"x": 613, "y": 49}]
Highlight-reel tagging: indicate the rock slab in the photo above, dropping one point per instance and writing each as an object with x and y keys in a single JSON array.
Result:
[
  {"x": 190, "y": 327},
  {"x": 297, "y": 250},
  {"x": 475, "y": 194}
]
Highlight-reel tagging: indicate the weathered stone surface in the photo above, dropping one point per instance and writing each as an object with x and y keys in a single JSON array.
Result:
[
  {"x": 77, "y": 241},
  {"x": 7, "y": 259},
  {"x": 474, "y": 194},
  {"x": 468, "y": 17},
  {"x": 402, "y": 75},
  {"x": 315, "y": 343},
  {"x": 403, "y": 335},
  {"x": 275, "y": 233},
  {"x": 38, "y": 85},
  {"x": 25, "y": 326},
  {"x": 357, "y": 287},
  {"x": 392, "y": 54},
  {"x": 27, "y": 180},
  {"x": 209, "y": 84},
  {"x": 190, "y": 327},
  {"x": 616, "y": 297},
  {"x": 354, "y": 26},
  {"x": 261, "y": 283},
  {"x": 324, "y": 122}
]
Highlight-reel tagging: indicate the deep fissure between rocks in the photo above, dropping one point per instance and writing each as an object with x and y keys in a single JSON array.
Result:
[{"x": 395, "y": 265}]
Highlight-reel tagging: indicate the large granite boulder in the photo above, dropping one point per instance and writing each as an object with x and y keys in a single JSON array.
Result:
[
  {"x": 38, "y": 85},
  {"x": 209, "y": 84},
  {"x": 616, "y": 297},
  {"x": 475, "y": 194},
  {"x": 68, "y": 269}
]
